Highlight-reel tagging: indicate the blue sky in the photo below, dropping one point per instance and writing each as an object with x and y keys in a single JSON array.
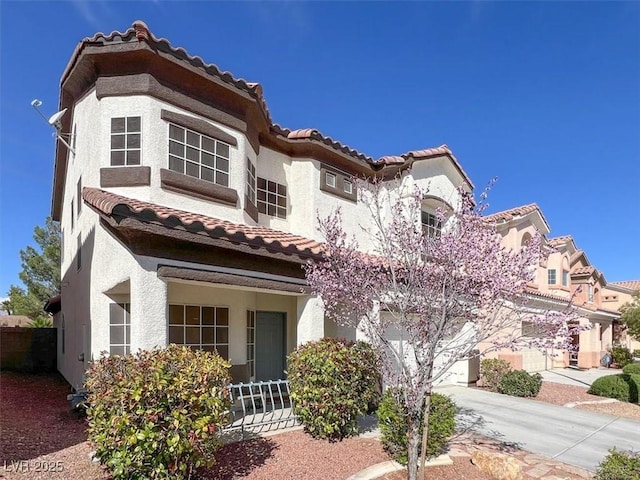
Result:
[{"x": 543, "y": 95}]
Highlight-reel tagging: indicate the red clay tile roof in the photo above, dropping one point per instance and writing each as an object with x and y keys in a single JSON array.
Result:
[
  {"x": 107, "y": 203},
  {"x": 630, "y": 284},
  {"x": 557, "y": 241},
  {"x": 588, "y": 270},
  {"x": 512, "y": 213}
]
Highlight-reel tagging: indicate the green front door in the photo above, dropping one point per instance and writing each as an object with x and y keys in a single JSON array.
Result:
[{"x": 270, "y": 345}]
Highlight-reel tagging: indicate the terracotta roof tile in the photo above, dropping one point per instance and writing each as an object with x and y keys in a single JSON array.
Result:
[
  {"x": 512, "y": 213},
  {"x": 588, "y": 270},
  {"x": 630, "y": 284},
  {"x": 107, "y": 202},
  {"x": 557, "y": 241}
]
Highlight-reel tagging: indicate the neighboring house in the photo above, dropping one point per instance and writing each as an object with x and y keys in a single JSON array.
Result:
[
  {"x": 566, "y": 276},
  {"x": 14, "y": 321},
  {"x": 615, "y": 295},
  {"x": 187, "y": 214}
]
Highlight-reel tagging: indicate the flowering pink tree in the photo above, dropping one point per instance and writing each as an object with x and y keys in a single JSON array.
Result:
[{"x": 429, "y": 300}]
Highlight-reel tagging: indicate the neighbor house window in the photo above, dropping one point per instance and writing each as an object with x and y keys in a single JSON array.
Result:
[
  {"x": 272, "y": 198},
  {"x": 431, "y": 224},
  {"x": 251, "y": 182},
  {"x": 551, "y": 276},
  {"x": 79, "y": 195},
  {"x": 125, "y": 141},
  {"x": 565, "y": 278},
  {"x": 119, "y": 328},
  {"x": 590, "y": 293},
  {"x": 201, "y": 327},
  {"x": 251, "y": 342},
  {"x": 198, "y": 156}
]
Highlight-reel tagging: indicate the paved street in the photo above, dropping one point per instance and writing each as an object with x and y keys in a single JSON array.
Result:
[{"x": 573, "y": 436}]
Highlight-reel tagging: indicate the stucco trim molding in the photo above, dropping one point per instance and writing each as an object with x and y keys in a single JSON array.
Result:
[
  {"x": 125, "y": 176},
  {"x": 198, "y": 125},
  {"x": 185, "y": 184},
  {"x": 197, "y": 275}
]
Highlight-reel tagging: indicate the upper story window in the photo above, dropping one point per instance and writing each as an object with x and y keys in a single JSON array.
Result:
[
  {"x": 338, "y": 183},
  {"x": 551, "y": 276},
  {"x": 125, "y": 141},
  {"x": 272, "y": 198},
  {"x": 431, "y": 224},
  {"x": 590, "y": 295},
  {"x": 251, "y": 182},
  {"x": 198, "y": 155},
  {"x": 565, "y": 278}
]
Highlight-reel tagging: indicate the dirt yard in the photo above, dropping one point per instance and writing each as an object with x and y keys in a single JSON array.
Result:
[{"x": 40, "y": 438}]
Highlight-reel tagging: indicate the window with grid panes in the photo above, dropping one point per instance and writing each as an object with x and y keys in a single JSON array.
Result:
[
  {"x": 431, "y": 224},
  {"x": 201, "y": 327},
  {"x": 551, "y": 276},
  {"x": 119, "y": 329},
  {"x": 251, "y": 182},
  {"x": 272, "y": 198},
  {"x": 198, "y": 156},
  {"x": 251, "y": 342},
  {"x": 126, "y": 142}
]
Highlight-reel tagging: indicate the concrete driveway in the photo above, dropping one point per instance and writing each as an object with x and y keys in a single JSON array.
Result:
[
  {"x": 581, "y": 378},
  {"x": 572, "y": 436}
]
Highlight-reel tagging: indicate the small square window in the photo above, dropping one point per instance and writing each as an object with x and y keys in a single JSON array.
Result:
[
  {"x": 272, "y": 198},
  {"x": 330, "y": 179},
  {"x": 126, "y": 141},
  {"x": 348, "y": 186}
]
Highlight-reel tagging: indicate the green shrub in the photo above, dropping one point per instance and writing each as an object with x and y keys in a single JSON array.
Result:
[
  {"x": 332, "y": 382},
  {"x": 621, "y": 356},
  {"x": 623, "y": 387},
  {"x": 392, "y": 420},
  {"x": 636, "y": 353},
  {"x": 519, "y": 383},
  {"x": 619, "y": 466},
  {"x": 491, "y": 372},
  {"x": 157, "y": 414},
  {"x": 632, "y": 368}
]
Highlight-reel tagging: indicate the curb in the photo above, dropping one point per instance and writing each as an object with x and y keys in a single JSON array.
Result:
[{"x": 379, "y": 469}]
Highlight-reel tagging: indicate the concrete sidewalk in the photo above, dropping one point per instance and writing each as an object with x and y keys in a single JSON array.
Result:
[
  {"x": 572, "y": 436},
  {"x": 581, "y": 378}
]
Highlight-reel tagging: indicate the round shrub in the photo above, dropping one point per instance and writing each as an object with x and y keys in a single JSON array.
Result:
[
  {"x": 520, "y": 383},
  {"x": 332, "y": 382},
  {"x": 632, "y": 368},
  {"x": 392, "y": 420},
  {"x": 619, "y": 465},
  {"x": 491, "y": 372},
  {"x": 157, "y": 414},
  {"x": 621, "y": 356},
  {"x": 623, "y": 387}
]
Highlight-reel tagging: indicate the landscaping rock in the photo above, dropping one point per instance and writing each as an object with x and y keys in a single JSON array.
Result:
[{"x": 498, "y": 465}]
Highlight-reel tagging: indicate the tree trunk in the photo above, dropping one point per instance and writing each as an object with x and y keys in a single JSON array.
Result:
[
  {"x": 425, "y": 434},
  {"x": 413, "y": 446}
]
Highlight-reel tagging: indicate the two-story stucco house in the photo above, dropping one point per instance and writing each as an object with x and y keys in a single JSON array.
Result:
[
  {"x": 565, "y": 276},
  {"x": 188, "y": 214}
]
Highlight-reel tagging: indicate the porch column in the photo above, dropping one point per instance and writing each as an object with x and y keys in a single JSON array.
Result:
[
  {"x": 148, "y": 309},
  {"x": 310, "y": 319}
]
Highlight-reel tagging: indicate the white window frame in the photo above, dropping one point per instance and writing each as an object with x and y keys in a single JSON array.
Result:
[
  {"x": 565, "y": 278},
  {"x": 272, "y": 199},
  {"x": 330, "y": 179},
  {"x": 124, "y": 325},
  {"x": 431, "y": 224},
  {"x": 130, "y": 150},
  {"x": 348, "y": 186},
  {"x": 209, "y": 160},
  {"x": 552, "y": 277},
  {"x": 222, "y": 347}
]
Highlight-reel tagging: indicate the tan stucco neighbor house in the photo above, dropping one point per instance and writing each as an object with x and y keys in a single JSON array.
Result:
[
  {"x": 565, "y": 277},
  {"x": 187, "y": 213},
  {"x": 615, "y": 295}
]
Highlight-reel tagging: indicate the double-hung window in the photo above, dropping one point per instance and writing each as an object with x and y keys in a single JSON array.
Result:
[
  {"x": 551, "y": 276},
  {"x": 198, "y": 155},
  {"x": 119, "y": 329},
  {"x": 431, "y": 224}
]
